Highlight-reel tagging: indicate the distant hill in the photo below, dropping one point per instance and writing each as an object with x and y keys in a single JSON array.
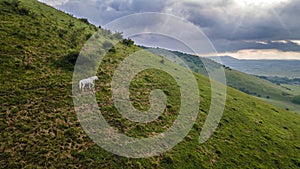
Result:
[
  {"x": 280, "y": 68},
  {"x": 256, "y": 86},
  {"x": 40, "y": 129}
]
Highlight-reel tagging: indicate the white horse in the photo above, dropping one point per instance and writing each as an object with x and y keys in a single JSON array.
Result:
[{"x": 89, "y": 81}]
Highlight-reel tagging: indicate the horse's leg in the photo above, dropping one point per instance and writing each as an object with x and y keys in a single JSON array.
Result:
[
  {"x": 83, "y": 85},
  {"x": 93, "y": 85},
  {"x": 89, "y": 86},
  {"x": 80, "y": 86}
]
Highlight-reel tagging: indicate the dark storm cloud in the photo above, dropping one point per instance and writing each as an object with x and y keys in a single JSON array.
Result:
[
  {"x": 289, "y": 16},
  {"x": 229, "y": 26},
  {"x": 228, "y": 21},
  {"x": 101, "y": 12}
]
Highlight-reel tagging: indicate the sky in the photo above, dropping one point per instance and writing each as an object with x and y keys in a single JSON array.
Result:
[{"x": 245, "y": 29}]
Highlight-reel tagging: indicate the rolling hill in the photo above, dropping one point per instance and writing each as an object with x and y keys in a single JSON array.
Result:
[
  {"x": 279, "y": 68},
  {"x": 276, "y": 94},
  {"x": 40, "y": 129}
]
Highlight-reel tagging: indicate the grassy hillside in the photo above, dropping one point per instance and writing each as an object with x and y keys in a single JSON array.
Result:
[
  {"x": 249, "y": 84},
  {"x": 39, "y": 127}
]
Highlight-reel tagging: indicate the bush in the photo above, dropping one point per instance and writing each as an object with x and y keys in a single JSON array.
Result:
[
  {"x": 118, "y": 35},
  {"x": 106, "y": 32},
  {"x": 72, "y": 57},
  {"x": 62, "y": 32},
  {"x": 112, "y": 50},
  {"x": 167, "y": 160},
  {"x": 107, "y": 45},
  {"x": 84, "y": 20},
  {"x": 296, "y": 100},
  {"x": 88, "y": 36},
  {"x": 71, "y": 133},
  {"x": 16, "y": 5},
  {"x": 23, "y": 11},
  {"x": 71, "y": 24},
  {"x": 128, "y": 42}
]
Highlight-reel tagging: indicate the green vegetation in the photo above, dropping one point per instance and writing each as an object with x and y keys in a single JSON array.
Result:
[
  {"x": 296, "y": 99},
  {"x": 259, "y": 87},
  {"x": 39, "y": 127},
  {"x": 268, "y": 68},
  {"x": 281, "y": 80},
  {"x": 293, "y": 88},
  {"x": 290, "y": 106}
]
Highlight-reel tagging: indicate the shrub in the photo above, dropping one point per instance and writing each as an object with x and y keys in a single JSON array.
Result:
[
  {"x": 296, "y": 100},
  {"x": 167, "y": 160},
  {"x": 107, "y": 45},
  {"x": 23, "y": 11},
  {"x": 88, "y": 36},
  {"x": 128, "y": 42},
  {"x": 20, "y": 47},
  {"x": 106, "y": 32},
  {"x": 72, "y": 57},
  {"x": 14, "y": 3},
  {"x": 62, "y": 32},
  {"x": 112, "y": 50},
  {"x": 71, "y": 133},
  {"x": 118, "y": 35},
  {"x": 84, "y": 20},
  {"x": 71, "y": 24}
]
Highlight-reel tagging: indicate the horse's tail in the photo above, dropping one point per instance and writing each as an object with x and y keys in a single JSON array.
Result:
[{"x": 80, "y": 85}]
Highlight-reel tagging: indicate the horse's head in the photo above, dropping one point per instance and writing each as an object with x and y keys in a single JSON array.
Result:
[{"x": 94, "y": 78}]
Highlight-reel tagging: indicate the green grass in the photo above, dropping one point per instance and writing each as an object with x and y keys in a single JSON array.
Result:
[
  {"x": 293, "y": 88},
  {"x": 39, "y": 127},
  {"x": 285, "y": 105},
  {"x": 282, "y": 69},
  {"x": 255, "y": 86},
  {"x": 244, "y": 82}
]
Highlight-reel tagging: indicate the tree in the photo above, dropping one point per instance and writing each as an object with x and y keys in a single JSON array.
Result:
[
  {"x": 84, "y": 20},
  {"x": 128, "y": 42}
]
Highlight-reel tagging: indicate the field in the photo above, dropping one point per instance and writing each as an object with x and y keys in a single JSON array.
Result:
[
  {"x": 283, "y": 104},
  {"x": 271, "y": 68},
  {"x": 294, "y": 88},
  {"x": 252, "y": 85},
  {"x": 40, "y": 128}
]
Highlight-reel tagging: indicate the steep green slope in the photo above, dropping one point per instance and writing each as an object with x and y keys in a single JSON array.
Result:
[
  {"x": 39, "y": 127},
  {"x": 249, "y": 84}
]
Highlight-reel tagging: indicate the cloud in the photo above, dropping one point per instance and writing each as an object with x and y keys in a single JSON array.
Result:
[
  {"x": 259, "y": 54},
  {"x": 229, "y": 25},
  {"x": 54, "y": 2},
  {"x": 227, "y": 20},
  {"x": 234, "y": 45},
  {"x": 101, "y": 12}
]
